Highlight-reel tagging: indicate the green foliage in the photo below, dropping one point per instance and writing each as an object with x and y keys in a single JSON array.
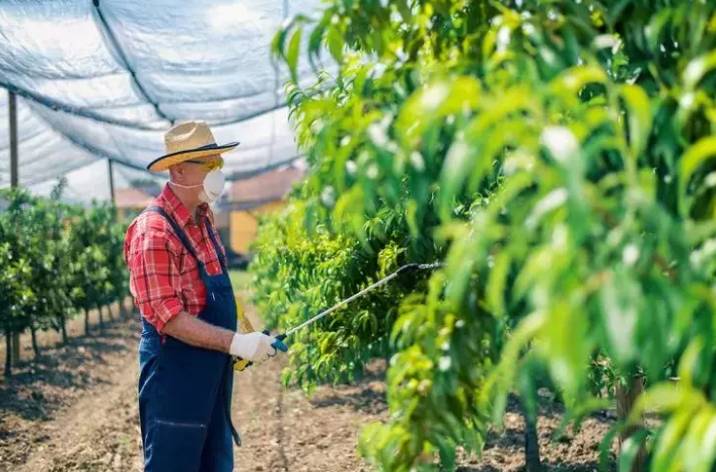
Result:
[
  {"x": 559, "y": 158},
  {"x": 297, "y": 273},
  {"x": 57, "y": 259}
]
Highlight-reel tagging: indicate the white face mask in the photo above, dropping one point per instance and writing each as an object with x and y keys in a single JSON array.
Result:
[{"x": 212, "y": 187}]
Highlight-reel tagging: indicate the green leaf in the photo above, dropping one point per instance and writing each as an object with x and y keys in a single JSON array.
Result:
[
  {"x": 620, "y": 300},
  {"x": 335, "y": 43},
  {"x": 698, "y": 446},
  {"x": 277, "y": 43},
  {"x": 629, "y": 451},
  {"x": 293, "y": 53},
  {"x": 639, "y": 117},
  {"x": 315, "y": 41},
  {"x": 666, "y": 398},
  {"x": 698, "y": 68},
  {"x": 666, "y": 456},
  {"x": 497, "y": 282},
  {"x": 693, "y": 158},
  {"x": 575, "y": 79}
]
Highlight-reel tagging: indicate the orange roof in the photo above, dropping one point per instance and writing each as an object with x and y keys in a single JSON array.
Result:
[
  {"x": 269, "y": 186},
  {"x": 131, "y": 198}
]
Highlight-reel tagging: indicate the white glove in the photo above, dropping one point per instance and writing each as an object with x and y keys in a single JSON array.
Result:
[{"x": 255, "y": 347}]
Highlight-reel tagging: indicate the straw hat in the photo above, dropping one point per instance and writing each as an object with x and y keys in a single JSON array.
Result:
[{"x": 188, "y": 140}]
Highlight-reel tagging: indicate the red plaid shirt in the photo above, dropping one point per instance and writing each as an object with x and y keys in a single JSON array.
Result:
[{"x": 164, "y": 276}]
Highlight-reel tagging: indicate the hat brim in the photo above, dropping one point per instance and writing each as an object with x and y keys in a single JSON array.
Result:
[{"x": 166, "y": 161}]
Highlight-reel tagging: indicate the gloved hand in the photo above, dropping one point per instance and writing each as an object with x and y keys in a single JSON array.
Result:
[{"x": 255, "y": 346}]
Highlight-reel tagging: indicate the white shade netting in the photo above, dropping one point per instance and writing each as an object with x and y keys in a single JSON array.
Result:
[{"x": 105, "y": 79}]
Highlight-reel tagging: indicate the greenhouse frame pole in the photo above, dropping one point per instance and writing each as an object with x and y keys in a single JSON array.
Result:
[
  {"x": 111, "y": 181},
  {"x": 12, "y": 102},
  {"x": 12, "y": 342}
]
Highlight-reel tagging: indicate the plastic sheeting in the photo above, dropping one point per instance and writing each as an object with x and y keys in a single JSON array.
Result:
[{"x": 105, "y": 79}]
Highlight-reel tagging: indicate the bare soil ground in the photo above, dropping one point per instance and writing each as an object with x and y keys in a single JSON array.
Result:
[{"x": 75, "y": 410}]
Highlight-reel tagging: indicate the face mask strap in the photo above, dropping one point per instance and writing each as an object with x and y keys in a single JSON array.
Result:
[
  {"x": 204, "y": 195},
  {"x": 185, "y": 186}
]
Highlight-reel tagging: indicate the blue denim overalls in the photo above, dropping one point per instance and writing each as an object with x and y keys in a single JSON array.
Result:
[{"x": 185, "y": 391}]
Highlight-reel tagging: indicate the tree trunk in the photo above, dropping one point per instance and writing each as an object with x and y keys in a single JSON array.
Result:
[
  {"x": 63, "y": 328},
  {"x": 626, "y": 397},
  {"x": 101, "y": 321},
  {"x": 35, "y": 346},
  {"x": 532, "y": 459},
  {"x": 16, "y": 348},
  {"x": 122, "y": 307},
  {"x": 87, "y": 324},
  {"x": 110, "y": 315},
  {"x": 8, "y": 354}
]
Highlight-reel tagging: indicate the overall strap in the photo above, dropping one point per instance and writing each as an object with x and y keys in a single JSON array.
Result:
[
  {"x": 219, "y": 254},
  {"x": 177, "y": 230}
]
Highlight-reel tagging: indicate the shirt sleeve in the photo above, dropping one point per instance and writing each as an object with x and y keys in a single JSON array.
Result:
[{"x": 154, "y": 279}]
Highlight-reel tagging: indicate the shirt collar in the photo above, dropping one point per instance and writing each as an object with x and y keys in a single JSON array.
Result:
[{"x": 178, "y": 210}]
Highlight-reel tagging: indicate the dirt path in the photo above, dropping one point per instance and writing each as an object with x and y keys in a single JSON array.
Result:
[
  {"x": 283, "y": 431},
  {"x": 76, "y": 411}
]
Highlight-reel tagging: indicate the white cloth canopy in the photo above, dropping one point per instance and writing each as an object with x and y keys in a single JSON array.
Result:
[{"x": 105, "y": 79}]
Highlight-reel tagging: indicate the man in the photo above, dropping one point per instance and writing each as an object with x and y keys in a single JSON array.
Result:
[{"x": 179, "y": 281}]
